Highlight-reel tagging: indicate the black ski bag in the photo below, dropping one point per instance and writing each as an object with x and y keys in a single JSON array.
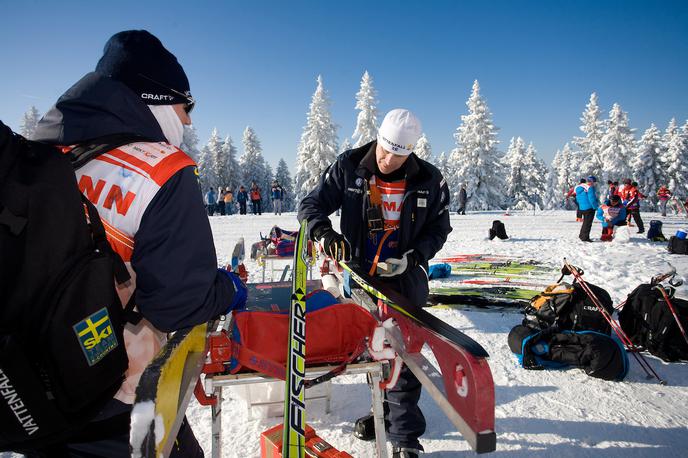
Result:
[
  {"x": 648, "y": 321},
  {"x": 62, "y": 353}
]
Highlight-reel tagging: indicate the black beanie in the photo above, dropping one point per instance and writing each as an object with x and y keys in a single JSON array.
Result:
[{"x": 140, "y": 61}]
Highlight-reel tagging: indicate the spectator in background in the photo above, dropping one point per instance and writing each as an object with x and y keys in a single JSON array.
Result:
[
  {"x": 220, "y": 201},
  {"x": 229, "y": 201},
  {"x": 256, "y": 199},
  {"x": 209, "y": 200},
  {"x": 631, "y": 199},
  {"x": 586, "y": 195},
  {"x": 277, "y": 197},
  {"x": 462, "y": 200},
  {"x": 663, "y": 194},
  {"x": 579, "y": 213},
  {"x": 242, "y": 198},
  {"x": 611, "y": 214}
]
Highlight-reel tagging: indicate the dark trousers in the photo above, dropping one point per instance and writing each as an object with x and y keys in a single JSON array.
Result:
[
  {"x": 242, "y": 208},
  {"x": 461, "y": 210},
  {"x": 114, "y": 443},
  {"x": 221, "y": 207},
  {"x": 256, "y": 207},
  {"x": 638, "y": 220},
  {"x": 404, "y": 419},
  {"x": 588, "y": 216}
]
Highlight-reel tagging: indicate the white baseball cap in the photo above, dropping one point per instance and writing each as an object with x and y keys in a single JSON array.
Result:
[{"x": 399, "y": 132}]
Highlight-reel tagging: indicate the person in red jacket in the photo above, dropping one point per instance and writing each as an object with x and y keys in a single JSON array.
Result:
[
  {"x": 631, "y": 198},
  {"x": 663, "y": 194}
]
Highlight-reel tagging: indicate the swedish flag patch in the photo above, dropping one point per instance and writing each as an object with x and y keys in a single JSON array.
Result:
[{"x": 96, "y": 336}]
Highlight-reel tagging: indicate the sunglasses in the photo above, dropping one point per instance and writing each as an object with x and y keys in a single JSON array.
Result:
[{"x": 190, "y": 102}]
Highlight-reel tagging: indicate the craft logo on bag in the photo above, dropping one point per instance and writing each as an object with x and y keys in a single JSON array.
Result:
[{"x": 96, "y": 336}]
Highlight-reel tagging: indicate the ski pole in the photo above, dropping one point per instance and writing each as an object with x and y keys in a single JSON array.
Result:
[
  {"x": 673, "y": 311},
  {"x": 635, "y": 351},
  {"x": 644, "y": 364},
  {"x": 656, "y": 280}
]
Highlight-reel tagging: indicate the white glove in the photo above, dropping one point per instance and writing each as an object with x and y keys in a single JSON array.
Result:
[{"x": 397, "y": 266}]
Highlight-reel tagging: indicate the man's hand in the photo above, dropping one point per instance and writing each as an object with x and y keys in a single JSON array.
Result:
[
  {"x": 397, "y": 266},
  {"x": 335, "y": 245},
  {"x": 240, "y": 292}
]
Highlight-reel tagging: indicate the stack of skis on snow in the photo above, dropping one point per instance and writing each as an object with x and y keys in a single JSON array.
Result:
[
  {"x": 379, "y": 325},
  {"x": 488, "y": 282}
]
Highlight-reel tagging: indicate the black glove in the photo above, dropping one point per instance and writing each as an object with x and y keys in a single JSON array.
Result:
[{"x": 334, "y": 244}]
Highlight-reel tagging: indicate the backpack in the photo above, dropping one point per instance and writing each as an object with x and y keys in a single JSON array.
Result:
[
  {"x": 62, "y": 354},
  {"x": 599, "y": 355},
  {"x": 655, "y": 231},
  {"x": 497, "y": 230},
  {"x": 677, "y": 245},
  {"x": 649, "y": 323},
  {"x": 569, "y": 308}
]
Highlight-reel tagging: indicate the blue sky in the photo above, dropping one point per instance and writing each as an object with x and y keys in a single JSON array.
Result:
[{"x": 255, "y": 62}]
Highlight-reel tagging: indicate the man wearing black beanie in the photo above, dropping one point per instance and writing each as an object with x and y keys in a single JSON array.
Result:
[{"x": 148, "y": 196}]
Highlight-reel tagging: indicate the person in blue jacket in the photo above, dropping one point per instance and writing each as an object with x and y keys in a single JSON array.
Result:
[
  {"x": 586, "y": 196},
  {"x": 611, "y": 214}
]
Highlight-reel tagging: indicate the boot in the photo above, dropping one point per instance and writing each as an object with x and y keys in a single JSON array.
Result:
[
  {"x": 405, "y": 452},
  {"x": 364, "y": 428}
]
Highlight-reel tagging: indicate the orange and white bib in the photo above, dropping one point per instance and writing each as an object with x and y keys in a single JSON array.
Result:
[{"x": 121, "y": 184}]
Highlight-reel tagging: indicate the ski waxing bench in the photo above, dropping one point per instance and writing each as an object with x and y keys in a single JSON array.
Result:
[
  {"x": 213, "y": 386},
  {"x": 278, "y": 264}
]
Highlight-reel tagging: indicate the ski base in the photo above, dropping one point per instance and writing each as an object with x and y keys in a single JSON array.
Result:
[
  {"x": 164, "y": 391},
  {"x": 463, "y": 388}
]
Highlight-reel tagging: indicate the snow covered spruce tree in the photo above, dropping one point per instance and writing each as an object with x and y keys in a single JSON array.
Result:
[
  {"x": 476, "y": 161},
  {"x": 423, "y": 149},
  {"x": 266, "y": 187},
  {"x": 562, "y": 176},
  {"x": 512, "y": 163},
  {"x": 318, "y": 145},
  {"x": 536, "y": 178},
  {"x": 675, "y": 160},
  {"x": 442, "y": 164},
  {"x": 251, "y": 162},
  {"x": 345, "y": 146},
  {"x": 647, "y": 167},
  {"x": 283, "y": 177},
  {"x": 524, "y": 176},
  {"x": 190, "y": 143},
  {"x": 29, "y": 122},
  {"x": 207, "y": 167},
  {"x": 366, "y": 122},
  {"x": 228, "y": 166},
  {"x": 589, "y": 145},
  {"x": 617, "y": 147}
]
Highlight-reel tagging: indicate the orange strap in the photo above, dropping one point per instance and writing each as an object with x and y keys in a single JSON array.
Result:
[
  {"x": 387, "y": 233},
  {"x": 375, "y": 196}
]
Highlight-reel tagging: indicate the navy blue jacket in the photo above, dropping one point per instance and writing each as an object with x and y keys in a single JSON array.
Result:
[
  {"x": 424, "y": 223},
  {"x": 177, "y": 281}
]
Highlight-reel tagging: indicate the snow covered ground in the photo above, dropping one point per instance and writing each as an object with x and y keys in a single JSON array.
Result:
[{"x": 539, "y": 413}]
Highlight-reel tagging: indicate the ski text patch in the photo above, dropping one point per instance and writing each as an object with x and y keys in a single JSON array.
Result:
[{"x": 96, "y": 336}]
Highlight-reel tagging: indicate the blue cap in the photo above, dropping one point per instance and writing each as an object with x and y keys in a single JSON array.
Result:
[{"x": 592, "y": 179}]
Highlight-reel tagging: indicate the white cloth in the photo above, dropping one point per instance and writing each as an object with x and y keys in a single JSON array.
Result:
[{"x": 169, "y": 121}]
